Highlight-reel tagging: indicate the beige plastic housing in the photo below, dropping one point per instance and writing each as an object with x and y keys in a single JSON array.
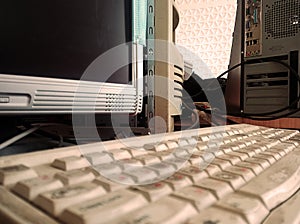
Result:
[{"x": 169, "y": 66}]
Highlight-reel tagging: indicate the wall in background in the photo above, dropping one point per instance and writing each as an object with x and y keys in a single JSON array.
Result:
[{"x": 204, "y": 35}]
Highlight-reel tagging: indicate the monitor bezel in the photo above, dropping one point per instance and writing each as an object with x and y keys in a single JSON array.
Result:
[{"x": 39, "y": 95}]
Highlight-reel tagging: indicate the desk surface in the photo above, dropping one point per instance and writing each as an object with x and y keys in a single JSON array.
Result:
[{"x": 291, "y": 123}]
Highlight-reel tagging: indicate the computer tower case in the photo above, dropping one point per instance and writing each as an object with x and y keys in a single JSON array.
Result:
[
  {"x": 271, "y": 36},
  {"x": 267, "y": 35}
]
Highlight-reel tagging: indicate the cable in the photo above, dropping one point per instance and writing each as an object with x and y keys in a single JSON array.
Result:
[
  {"x": 220, "y": 76},
  {"x": 18, "y": 137}
]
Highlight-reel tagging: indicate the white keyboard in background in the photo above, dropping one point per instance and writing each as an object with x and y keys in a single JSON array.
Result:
[{"x": 230, "y": 174}]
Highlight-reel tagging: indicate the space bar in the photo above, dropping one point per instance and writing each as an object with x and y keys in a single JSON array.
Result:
[
  {"x": 15, "y": 210},
  {"x": 277, "y": 183}
]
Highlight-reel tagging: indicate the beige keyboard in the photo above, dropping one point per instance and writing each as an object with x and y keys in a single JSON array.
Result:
[{"x": 230, "y": 174}]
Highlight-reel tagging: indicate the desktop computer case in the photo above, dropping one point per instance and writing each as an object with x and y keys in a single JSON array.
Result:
[
  {"x": 271, "y": 31},
  {"x": 165, "y": 66}
]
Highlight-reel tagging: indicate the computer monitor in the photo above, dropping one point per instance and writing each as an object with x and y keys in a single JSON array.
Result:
[{"x": 50, "y": 53}]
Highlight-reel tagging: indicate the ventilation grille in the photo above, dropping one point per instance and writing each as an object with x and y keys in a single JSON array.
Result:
[
  {"x": 178, "y": 82},
  {"x": 266, "y": 92},
  {"x": 103, "y": 102},
  {"x": 282, "y": 19}
]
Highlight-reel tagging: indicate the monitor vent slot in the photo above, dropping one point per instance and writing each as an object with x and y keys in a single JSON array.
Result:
[
  {"x": 115, "y": 102},
  {"x": 103, "y": 102},
  {"x": 282, "y": 19}
]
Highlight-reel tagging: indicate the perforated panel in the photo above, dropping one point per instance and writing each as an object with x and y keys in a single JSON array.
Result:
[
  {"x": 282, "y": 19},
  {"x": 205, "y": 32}
]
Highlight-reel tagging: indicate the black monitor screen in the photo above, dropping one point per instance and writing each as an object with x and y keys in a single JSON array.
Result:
[{"x": 60, "y": 38}]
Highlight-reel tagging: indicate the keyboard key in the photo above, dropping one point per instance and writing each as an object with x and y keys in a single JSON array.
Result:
[
  {"x": 177, "y": 181},
  {"x": 218, "y": 188},
  {"x": 172, "y": 144},
  {"x": 258, "y": 147},
  {"x": 249, "y": 141},
  {"x": 247, "y": 151},
  {"x": 277, "y": 183},
  {"x": 75, "y": 177},
  {"x": 177, "y": 162},
  {"x": 182, "y": 153},
  {"x": 164, "y": 155},
  {"x": 284, "y": 146},
  {"x": 127, "y": 164},
  {"x": 194, "y": 173},
  {"x": 216, "y": 215},
  {"x": 195, "y": 159},
  {"x": 199, "y": 197},
  {"x": 156, "y": 147},
  {"x": 230, "y": 158},
  {"x": 108, "y": 184},
  {"x": 240, "y": 155},
  {"x": 12, "y": 174},
  {"x": 256, "y": 168},
  {"x": 119, "y": 154},
  {"x": 189, "y": 149},
  {"x": 148, "y": 159},
  {"x": 201, "y": 146},
  {"x": 192, "y": 141},
  {"x": 162, "y": 169},
  {"x": 103, "y": 209},
  {"x": 210, "y": 169},
  {"x": 155, "y": 191},
  {"x": 275, "y": 155},
  {"x": 226, "y": 148},
  {"x": 135, "y": 151},
  {"x": 215, "y": 151},
  {"x": 203, "y": 138},
  {"x": 268, "y": 142},
  {"x": 182, "y": 142},
  {"x": 262, "y": 162},
  {"x": 121, "y": 179},
  {"x": 165, "y": 210},
  {"x": 226, "y": 140},
  {"x": 54, "y": 202},
  {"x": 97, "y": 158},
  {"x": 234, "y": 180},
  {"x": 248, "y": 207},
  {"x": 278, "y": 150},
  {"x": 223, "y": 164},
  {"x": 31, "y": 188},
  {"x": 107, "y": 169},
  {"x": 291, "y": 142},
  {"x": 205, "y": 155},
  {"x": 234, "y": 146},
  {"x": 15, "y": 210},
  {"x": 71, "y": 163},
  {"x": 246, "y": 173},
  {"x": 266, "y": 157},
  {"x": 142, "y": 175}
]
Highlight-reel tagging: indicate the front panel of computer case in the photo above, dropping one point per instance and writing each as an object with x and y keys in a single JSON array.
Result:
[{"x": 168, "y": 66}]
